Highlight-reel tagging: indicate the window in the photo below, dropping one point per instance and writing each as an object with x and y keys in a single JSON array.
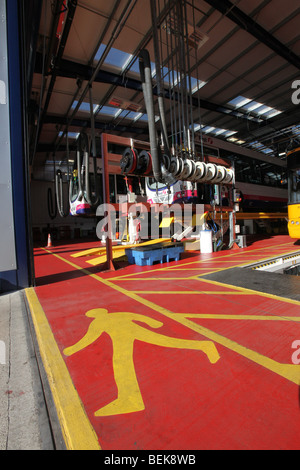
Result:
[
  {"x": 294, "y": 187},
  {"x": 249, "y": 170}
]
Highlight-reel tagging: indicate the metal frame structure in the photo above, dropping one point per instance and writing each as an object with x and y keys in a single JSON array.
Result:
[{"x": 111, "y": 165}]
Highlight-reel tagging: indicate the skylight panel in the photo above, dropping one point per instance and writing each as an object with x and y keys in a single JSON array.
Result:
[
  {"x": 100, "y": 52},
  {"x": 208, "y": 129},
  {"x": 214, "y": 130},
  {"x": 71, "y": 135},
  {"x": 263, "y": 110},
  {"x": 260, "y": 147},
  {"x": 296, "y": 130},
  {"x": 196, "y": 84},
  {"x": 256, "y": 145},
  {"x": 115, "y": 57},
  {"x": 85, "y": 107},
  {"x": 135, "y": 67},
  {"x": 144, "y": 118},
  {"x": 130, "y": 115},
  {"x": 197, "y": 127},
  {"x": 239, "y": 102},
  {"x": 230, "y": 133},
  {"x": 120, "y": 59},
  {"x": 272, "y": 113},
  {"x": 219, "y": 131},
  {"x": 252, "y": 106},
  {"x": 109, "y": 111}
]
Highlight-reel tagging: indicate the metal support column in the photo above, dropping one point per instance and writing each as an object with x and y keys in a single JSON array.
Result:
[{"x": 109, "y": 265}]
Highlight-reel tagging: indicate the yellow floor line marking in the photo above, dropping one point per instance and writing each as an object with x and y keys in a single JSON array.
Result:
[
  {"x": 89, "y": 252},
  {"x": 215, "y": 261},
  {"x": 215, "y": 316},
  {"x": 191, "y": 292},
  {"x": 153, "y": 279},
  {"x": 191, "y": 269},
  {"x": 209, "y": 260},
  {"x": 250, "y": 291},
  {"x": 102, "y": 249},
  {"x": 289, "y": 371},
  {"x": 76, "y": 427}
]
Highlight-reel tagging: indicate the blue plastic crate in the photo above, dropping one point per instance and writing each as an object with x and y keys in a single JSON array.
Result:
[{"x": 146, "y": 256}]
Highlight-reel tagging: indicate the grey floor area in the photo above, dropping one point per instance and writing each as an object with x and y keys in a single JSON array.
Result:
[
  {"x": 283, "y": 285},
  {"x": 24, "y": 417}
]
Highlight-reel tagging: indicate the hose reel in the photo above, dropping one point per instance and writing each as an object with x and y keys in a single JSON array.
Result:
[
  {"x": 129, "y": 161},
  {"x": 185, "y": 169}
]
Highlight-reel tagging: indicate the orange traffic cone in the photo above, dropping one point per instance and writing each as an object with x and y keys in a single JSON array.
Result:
[{"x": 49, "y": 245}]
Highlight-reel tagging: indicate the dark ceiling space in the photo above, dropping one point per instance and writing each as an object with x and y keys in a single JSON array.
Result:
[{"x": 244, "y": 65}]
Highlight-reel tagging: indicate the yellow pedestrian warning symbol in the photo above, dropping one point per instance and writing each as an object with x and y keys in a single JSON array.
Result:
[{"x": 124, "y": 331}]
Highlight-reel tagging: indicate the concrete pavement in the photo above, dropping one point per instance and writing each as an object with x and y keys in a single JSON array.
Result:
[{"x": 24, "y": 421}]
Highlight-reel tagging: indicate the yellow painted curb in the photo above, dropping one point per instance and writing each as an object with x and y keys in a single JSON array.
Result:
[{"x": 76, "y": 428}]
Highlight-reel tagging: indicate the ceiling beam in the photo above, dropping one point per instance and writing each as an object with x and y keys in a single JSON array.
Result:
[
  {"x": 74, "y": 70},
  {"x": 248, "y": 24}
]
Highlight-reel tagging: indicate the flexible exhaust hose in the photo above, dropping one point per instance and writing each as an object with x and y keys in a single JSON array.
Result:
[
  {"x": 158, "y": 78},
  {"x": 160, "y": 173},
  {"x": 145, "y": 71}
]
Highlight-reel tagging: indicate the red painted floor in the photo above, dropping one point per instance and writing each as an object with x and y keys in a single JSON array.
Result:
[{"x": 162, "y": 350}]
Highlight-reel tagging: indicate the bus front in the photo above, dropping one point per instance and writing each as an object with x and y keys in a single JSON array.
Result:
[{"x": 293, "y": 168}]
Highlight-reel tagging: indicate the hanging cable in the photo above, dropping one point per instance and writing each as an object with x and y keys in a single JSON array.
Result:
[
  {"x": 93, "y": 202},
  {"x": 60, "y": 195},
  {"x": 52, "y": 206}
]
